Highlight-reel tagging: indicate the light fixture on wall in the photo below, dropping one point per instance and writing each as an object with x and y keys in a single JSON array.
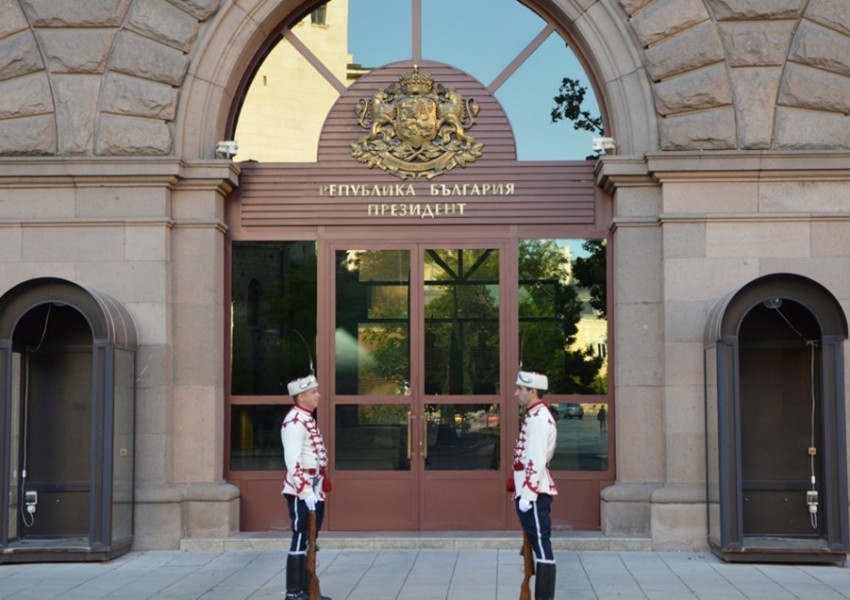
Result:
[
  {"x": 604, "y": 144},
  {"x": 773, "y": 303},
  {"x": 227, "y": 148}
]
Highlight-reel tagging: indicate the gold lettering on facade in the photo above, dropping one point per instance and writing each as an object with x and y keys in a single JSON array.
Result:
[
  {"x": 421, "y": 210},
  {"x": 338, "y": 190},
  {"x": 416, "y": 130}
]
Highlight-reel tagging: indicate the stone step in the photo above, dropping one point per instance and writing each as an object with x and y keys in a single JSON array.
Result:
[{"x": 435, "y": 540}]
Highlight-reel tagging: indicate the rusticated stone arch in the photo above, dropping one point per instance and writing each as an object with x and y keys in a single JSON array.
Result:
[
  {"x": 599, "y": 29},
  {"x": 158, "y": 77},
  {"x": 814, "y": 93},
  {"x": 747, "y": 75},
  {"x": 100, "y": 78},
  {"x": 214, "y": 76},
  {"x": 614, "y": 61},
  {"x": 686, "y": 62},
  {"x": 27, "y": 115}
]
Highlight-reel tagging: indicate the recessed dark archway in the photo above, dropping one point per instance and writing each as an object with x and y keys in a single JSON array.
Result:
[
  {"x": 775, "y": 435},
  {"x": 67, "y": 378}
]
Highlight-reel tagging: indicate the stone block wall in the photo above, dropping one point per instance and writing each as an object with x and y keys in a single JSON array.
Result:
[
  {"x": 732, "y": 74},
  {"x": 103, "y": 79},
  {"x": 724, "y": 74},
  {"x": 723, "y": 219},
  {"x": 107, "y": 109}
]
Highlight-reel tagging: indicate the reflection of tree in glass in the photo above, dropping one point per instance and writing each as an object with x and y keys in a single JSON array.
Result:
[
  {"x": 292, "y": 312},
  {"x": 549, "y": 310},
  {"x": 568, "y": 107},
  {"x": 382, "y": 414},
  {"x": 279, "y": 299},
  {"x": 461, "y": 321},
  {"x": 591, "y": 273},
  {"x": 389, "y": 350},
  {"x": 568, "y": 103},
  {"x": 372, "y": 308}
]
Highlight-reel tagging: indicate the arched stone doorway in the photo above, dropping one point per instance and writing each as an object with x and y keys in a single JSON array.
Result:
[
  {"x": 67, "y": 377},
  {"x": 776, "y": 447},
  {"x": 394, "y": 252}
]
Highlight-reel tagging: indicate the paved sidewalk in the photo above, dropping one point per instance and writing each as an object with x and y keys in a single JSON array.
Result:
[{"x": 420, "y": 574}]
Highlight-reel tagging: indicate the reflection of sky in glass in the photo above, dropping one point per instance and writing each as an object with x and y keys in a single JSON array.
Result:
[
  {"x": 379, "y": 31},
  {"x": 481, "y": 37},
  {"x": 576, "y": 250},
  {"x": 527, "y": 98}
]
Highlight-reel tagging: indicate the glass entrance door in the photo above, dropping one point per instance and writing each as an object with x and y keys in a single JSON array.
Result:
[
  {"x": 416, "y": 401},
  {"x": 373, "y": 466}
]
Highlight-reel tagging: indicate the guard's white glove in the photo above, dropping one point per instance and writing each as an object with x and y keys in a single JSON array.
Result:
[
  {"x": 524, "y": 505},
  {"x": 311, "y": 501}
]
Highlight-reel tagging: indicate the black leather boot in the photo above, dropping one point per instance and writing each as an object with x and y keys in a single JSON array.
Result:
[
  {"x": 295, "y": 569},
  {"x": 544, "y": 581}
]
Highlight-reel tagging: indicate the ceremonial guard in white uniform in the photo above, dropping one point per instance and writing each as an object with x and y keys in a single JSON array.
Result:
[
  {"x": 532, "y": 484},
  {"x": 306, "y": 481}
]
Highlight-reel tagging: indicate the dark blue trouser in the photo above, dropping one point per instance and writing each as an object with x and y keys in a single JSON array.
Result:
[
  {"x": 298, "y": 512},
  {"x": 537, "y": 525}
]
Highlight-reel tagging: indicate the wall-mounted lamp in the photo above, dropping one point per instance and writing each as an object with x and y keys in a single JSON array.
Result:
[
  {"x": 604, "y": 144},
  {"x": 227, "y": 148},
  {"x": 772, "y": 303}
]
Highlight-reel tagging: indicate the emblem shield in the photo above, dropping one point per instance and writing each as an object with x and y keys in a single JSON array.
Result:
[
  {"x": 416, "y": 120},
  {"x": 416, "y": 129}
]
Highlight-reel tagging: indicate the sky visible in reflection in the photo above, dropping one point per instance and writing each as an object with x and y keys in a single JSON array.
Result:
[{"x": 482, "y": 37}]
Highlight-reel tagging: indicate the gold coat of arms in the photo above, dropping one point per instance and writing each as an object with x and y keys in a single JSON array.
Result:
[{"x": 416, "y": 129}]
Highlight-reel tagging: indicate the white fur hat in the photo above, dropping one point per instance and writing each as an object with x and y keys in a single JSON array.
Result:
[
  {"x": 302, "y": 385},
  {"x": 532, "y": 380}
]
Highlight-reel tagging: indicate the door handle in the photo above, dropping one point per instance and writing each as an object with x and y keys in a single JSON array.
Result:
[
  {"x": 424, "y": 436},
  {"x": 409, "y": 434}
]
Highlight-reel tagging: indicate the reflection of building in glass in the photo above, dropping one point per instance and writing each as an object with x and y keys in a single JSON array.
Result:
[
  {"x": 277, "y": 125},
  {"x": 592, "y": 335},
  {"x": 371, "y": 337},
  {"x": 592, "y": 330}
]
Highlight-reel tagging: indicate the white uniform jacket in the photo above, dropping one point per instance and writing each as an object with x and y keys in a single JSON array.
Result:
[
  {"x": 305, "y": 455},
  {"x": 535, "y": 447}
]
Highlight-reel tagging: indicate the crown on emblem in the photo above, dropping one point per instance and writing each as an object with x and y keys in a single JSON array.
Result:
[{"x": 416, "y": 82}]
